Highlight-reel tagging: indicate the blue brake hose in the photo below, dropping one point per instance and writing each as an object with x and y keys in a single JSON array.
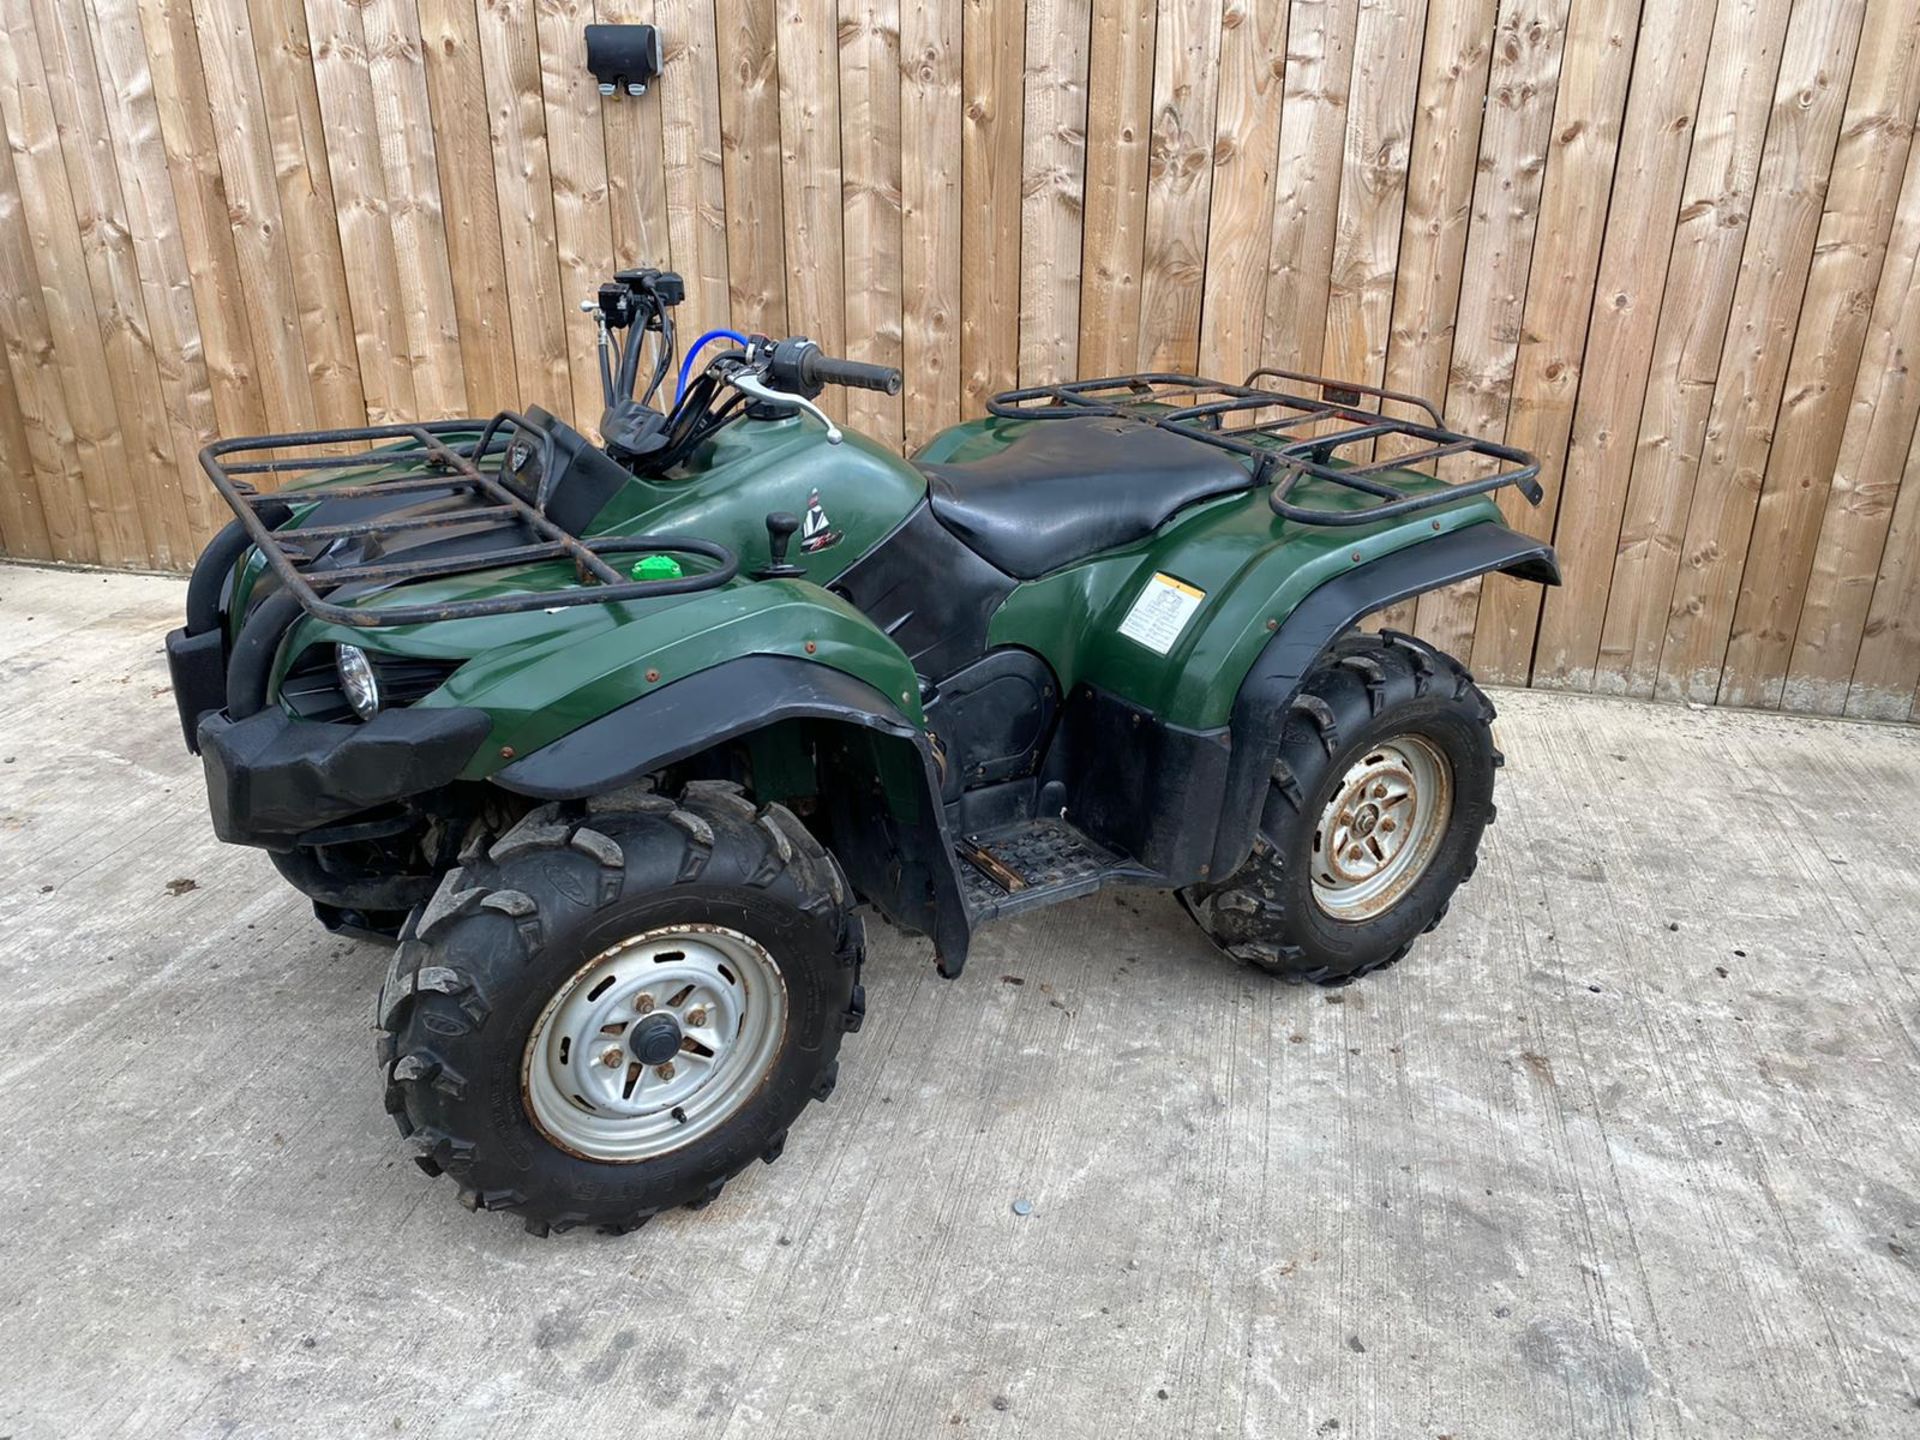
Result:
[{"x": 693, "y": 350}]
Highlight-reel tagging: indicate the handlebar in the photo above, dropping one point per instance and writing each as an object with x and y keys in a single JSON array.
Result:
[
  {"x": 817, "y": 369},
  {"x": 794, "y": 372},
  {"x": 774, "y": 377}
]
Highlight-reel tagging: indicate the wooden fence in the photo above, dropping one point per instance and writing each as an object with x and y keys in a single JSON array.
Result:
[{"x": 1671, "y": 247}]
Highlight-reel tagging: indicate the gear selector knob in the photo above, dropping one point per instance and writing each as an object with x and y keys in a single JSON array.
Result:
[{"x": 781, "y": 525}]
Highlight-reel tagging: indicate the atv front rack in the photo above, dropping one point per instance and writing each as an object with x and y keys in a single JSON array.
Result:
[
  {"x": 1292, "y": 438},
  {"x": 528, "y": 533}
]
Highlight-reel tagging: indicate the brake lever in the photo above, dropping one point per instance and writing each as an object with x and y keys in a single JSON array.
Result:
[{"x": 750, "y": 384}]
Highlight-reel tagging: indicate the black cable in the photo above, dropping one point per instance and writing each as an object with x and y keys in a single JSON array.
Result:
[
  {"x": 606, "y": 367},
  {"x": 664, "y": 363},
  {"x": 693, "y": 423}
]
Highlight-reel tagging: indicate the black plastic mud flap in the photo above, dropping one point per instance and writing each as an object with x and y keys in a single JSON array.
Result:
[
  {"x": 1260, "y": 708},
  {"x": 271, "y": 777}
]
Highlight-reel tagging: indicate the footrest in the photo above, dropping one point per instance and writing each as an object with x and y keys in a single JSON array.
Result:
[{"x": 1021, "y": 866}]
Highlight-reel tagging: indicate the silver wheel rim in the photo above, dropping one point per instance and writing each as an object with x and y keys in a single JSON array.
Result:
[
  {"x": 594, "y": 1077},
  {"x": 1382, "y": 828}
]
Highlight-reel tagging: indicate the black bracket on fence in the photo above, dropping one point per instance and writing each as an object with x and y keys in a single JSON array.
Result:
[{"x": 623, "y": 57}]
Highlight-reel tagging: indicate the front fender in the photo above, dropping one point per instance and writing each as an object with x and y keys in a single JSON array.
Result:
[
  {"x": 890, "y": 838},
  {"x": 553, "y": 687},
  {"x": 703, "y": 710}
]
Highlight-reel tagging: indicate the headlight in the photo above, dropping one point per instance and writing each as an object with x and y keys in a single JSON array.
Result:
[{"x": 357, "y": 680}]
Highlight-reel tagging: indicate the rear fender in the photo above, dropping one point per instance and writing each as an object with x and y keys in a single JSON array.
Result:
[
  {"x": 1329, "y": 611},
  {"x": 877, "y": 782}
]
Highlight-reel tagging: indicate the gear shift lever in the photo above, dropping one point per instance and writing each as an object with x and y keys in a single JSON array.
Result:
[{"x": 780, "y": 527}]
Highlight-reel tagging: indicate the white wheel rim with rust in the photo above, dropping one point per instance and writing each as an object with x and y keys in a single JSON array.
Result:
[
  {"x": 654, "y": 1042},
  {"x": 1383, "y": 826}
]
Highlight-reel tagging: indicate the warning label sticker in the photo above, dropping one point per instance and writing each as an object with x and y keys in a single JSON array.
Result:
[{"x": 1161, "y": 613}]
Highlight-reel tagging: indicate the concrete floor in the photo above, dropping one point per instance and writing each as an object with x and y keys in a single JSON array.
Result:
[{"x": 1628, "y": 1147}]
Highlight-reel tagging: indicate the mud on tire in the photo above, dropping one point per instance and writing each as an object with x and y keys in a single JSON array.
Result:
[
  {"x": 1366, "y": 691},
  {"x": 520, "y": 916}
]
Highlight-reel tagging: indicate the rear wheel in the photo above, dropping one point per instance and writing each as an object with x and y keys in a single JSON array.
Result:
[
  {"x": 1373, "y": 817},
  {"x": 603, "y": 1015}
]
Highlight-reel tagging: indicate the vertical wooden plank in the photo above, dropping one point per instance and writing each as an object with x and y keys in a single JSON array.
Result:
[
  {"x": 203, "y": 215},
  {"x": 1179, "y": 184},
  {"x": 380, "y": 307},
  {"x": 1050, "y": 212},
  {"x": 1384, "y": 86},
  {"x": 1306, "y": 201},
  {"x": 32, "y": 372},
  {"x": 750, "y": 138},
  {"x": 309, "y": 230},
  {"x": 992, "y": 34},
  {"x": 1573, "y": 408},
  {"x": 1574, "y": 211},
  {"x": 635, "y": 150},
  {"x": 930, "y": 215},
  {"x": 695, "y": 174},
  {"x": 1851, "y": 247},
  {"x": 108, "y": 225},
  {"x": 119, "y": 310},
  {"x": 510, "y": 61},
  {"x": 23, "y": 527},
  {"x": 1246, "y": 140},
  {"x": 1866, "y": 476},
  {"x": 810, "y": 170},
  {"x": 870, "y": 155},
  {"x": 582, "y": 215},
  {"x": 1656, "y": 136},
  {"x": 1119, "y": 120},
  {"x": 1454, "y": 67},
  {"x": 266, "y": 290},
  {"x": 416, "y": 218},
  {"x": 1742, "y": 63},
  {"x": 1514, "y": 141},
  {"x": 1373, "y": 187},
  {"x": 463, "y": 148},
  {"x": 161, "y": 256},
  {"x": 1888, "y": 669},
  {"x": 1794, "y": 169},
  {"x": 1579, "y": 204},
  {"x": 53, "y": 223}
]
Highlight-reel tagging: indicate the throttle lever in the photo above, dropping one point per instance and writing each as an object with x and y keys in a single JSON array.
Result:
[{"x": 750, "y": 384}]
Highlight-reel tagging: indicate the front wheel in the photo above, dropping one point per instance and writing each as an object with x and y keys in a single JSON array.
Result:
[
  {"x": 603, "y": 1015},
  {"x": 1373, "y": 816}
]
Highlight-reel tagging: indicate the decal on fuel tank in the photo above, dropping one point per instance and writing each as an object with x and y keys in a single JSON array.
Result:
[{"x": 816, "y": 531}]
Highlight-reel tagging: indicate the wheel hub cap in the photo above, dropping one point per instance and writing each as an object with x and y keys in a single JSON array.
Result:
[
  {"x": 654, "y": 1042},
  {"x": 1380, "y": 830}
]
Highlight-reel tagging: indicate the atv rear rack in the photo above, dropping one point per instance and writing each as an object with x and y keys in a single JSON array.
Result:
[
  {"x": 529, "y": 534},
  {"x": 1304, "y": 441}
]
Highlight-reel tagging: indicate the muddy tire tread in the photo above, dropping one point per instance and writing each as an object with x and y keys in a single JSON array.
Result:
[
  {"x": 417, "y": 983},
  {"x": 1244, "y": 915}
]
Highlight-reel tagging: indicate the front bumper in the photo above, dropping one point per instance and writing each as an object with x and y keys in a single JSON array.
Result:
[{"x": 272, "y": 778}]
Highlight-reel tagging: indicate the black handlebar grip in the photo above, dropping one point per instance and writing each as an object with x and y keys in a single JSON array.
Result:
[{"x": 819, "y": 369}]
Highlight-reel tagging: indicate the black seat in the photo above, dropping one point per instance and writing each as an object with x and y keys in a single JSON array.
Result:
[{"x": 1067, "y": 489}]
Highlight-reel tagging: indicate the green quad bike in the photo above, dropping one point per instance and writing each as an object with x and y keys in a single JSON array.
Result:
[{"x": 615, "y": 741}]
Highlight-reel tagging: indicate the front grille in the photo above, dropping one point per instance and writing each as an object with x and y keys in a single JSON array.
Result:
[{"x": 311, "y": 689}]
